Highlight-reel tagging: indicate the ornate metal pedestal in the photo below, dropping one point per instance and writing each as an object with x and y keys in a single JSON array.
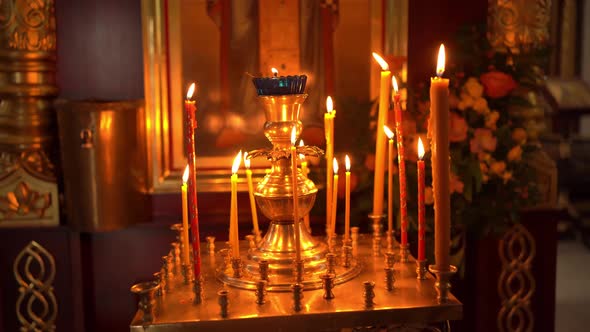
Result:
[{"x": 410, "y": 301}]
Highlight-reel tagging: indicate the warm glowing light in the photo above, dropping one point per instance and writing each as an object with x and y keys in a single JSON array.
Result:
[
  {"x": 237, "y": 161},
  {"x": 347, "y": 161},
  {"x": 388, "y": 132},
  {"x": 301, "y": 156},
  {"x": 246, "y": 160},
  {"x": 294, "y": 135},
  {"x": 275, "y": 72},
  {"x": 420, "y": 148},
  {"x": 394, "y": 83},
  {"x": 382, "y": 63},
  {"x": 185, "y": 175},
  {"x": 329, "y": 105},
  {"x": 191, "y": 91},
  {"x": 440, "y": 64},
  {"x": 335, "y": 165}
]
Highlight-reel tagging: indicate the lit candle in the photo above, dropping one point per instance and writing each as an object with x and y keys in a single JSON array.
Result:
[
  {"x": 185, "y": 244},
  {"x": 304, "y": 171},
  {"x": 403, "y": 209},
  {"x": 334, "y": 196},
  {"x": 295, "y": 194},
  {"x": 421, "y": 211},
  {"x": 380, "y": 138},
  {"x": 390, "y": 135},
  {"x": 439, "y": 126},
  {"x": 347, "y": 201},
  {"x": 329, "y": 132},
  {"x": 275, "y": 72},
  {"x": 251, "y": 195},
  {"x": 233, "y": 213},
  {"x": 193, "y": 212}
]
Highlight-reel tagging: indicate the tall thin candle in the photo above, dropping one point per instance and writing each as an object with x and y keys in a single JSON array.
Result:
[
  {"x": 251, "y": 196},
  {"x": 347, "y": 201},
  {"x": 193, "y": 212},
  {"x": 295, "y": 194},
  {"x": 421, "y": 210},
  {"x": 384, "y": 90},
  {"x": 390, "y": 135},
  {"x": 439, "y": 126},
  {"x": 334, "y": 196},
  {"x": 185, "y": 242},
  {"x": 234, "y": 232},
  {"x": 403, "y": 208},
  {"x": 329, "y": 133}
]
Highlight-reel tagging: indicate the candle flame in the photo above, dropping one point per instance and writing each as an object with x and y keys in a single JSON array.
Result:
[
  {"x": 388, "y": 132},
  {"x": 420, "y": 148},
  {"x": 329, "y": 105},
  {"x": 335, "y": 165},
  {"x": 394, "y": 83},
  {"x": 237, "y": 161},
  {"x": 440, "y": 64},
  {"x": 191, "y": 91},
  {"x": 382, "y": 63},
  {"x": 246, "y": 160},
  {"x": 274, "y": 71},
  {"x": 185, "y": 175},
  {"x": 347, "y": 161},
  {"x": 294, "y": 135}
]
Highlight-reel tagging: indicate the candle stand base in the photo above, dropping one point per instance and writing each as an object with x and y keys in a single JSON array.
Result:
[
  {"x": 146, "y": 291},
  {"x": 376, "y": 224},
  {"x": 421, "y": 269},
  {"x": 443, "y": 281},
  {"x": 404, "y": 253},
  {"x": 198, "y": 290}
]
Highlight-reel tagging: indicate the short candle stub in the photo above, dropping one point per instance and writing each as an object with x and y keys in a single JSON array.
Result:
[
  {"x": 389, "y": 278},
  {"x": 328, "y": 285},
  {"x": 369, "y": 293},
  {"x": 421, "y": 269},
  {"x": 223, "y": 301},
  {"x": 297, "y": 296}
]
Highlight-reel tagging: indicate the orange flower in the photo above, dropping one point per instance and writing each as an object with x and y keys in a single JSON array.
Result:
[
  {"x": 458, "y": 130},
  {"x": 497, "y": 84},
  {"x": 519, "y": 135},
  {"x": 483, "y": 140}
]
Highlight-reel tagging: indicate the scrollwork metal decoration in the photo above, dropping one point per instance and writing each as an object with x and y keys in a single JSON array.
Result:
[
  {"x": 516, "y": 284},
  {"x": 36, "y": 306}
]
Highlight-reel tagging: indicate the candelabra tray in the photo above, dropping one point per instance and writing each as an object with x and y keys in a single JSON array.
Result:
[{"x": 411, "y": 301}]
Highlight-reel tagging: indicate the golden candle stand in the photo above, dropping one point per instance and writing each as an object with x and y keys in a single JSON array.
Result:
[{"x": 362, "y": 301}]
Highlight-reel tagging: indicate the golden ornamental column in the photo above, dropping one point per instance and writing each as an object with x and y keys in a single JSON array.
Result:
[{"x": 28, "y": 141}]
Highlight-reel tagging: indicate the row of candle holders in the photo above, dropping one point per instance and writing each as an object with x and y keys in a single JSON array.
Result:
[{"x": 172, "y": 266}]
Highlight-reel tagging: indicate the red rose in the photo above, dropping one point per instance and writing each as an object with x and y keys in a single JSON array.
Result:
[{"x": 497, "y": 84}]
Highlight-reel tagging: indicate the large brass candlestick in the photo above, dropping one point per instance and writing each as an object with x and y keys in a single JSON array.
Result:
[{"x": 274, "y": 197}]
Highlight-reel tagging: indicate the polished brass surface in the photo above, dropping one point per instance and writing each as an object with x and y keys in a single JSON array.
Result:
[
  {"x": 516, "y": 285},
  {"x": 36, "y": 305},
  {"x": 27, "y": 118},
  {"x": 412, "y": 301},
  {"x": 103, "y": 177}
]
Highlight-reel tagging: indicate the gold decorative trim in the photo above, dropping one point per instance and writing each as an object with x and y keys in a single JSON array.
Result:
[
  {"x": 34, "y": 271},
  {"x": 516, "y": 284}
]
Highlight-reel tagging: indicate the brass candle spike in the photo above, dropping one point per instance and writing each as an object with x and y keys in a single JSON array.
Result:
[
  {"x": 404, "y": 253},
  {"x": 443, "y": 281},
  {"x": 260, "y": 291},
  {"x": 369, "y": 293},
  {"x": 421, "y": 269},
  {"x": 331, "y": 263},
  {"x": 166, "y": 268},
  {"x": 236, "y": 265},
  {"x": 146, "y": 291},
  {"x": 175, "y": 253},
  {"x": 186, "y": 274},
  {"x": 263, "y": 269},
  {"x": 161, "y": 282},
  {"x": 211, "y": 244},
  {"x": 251, "y": 241},
  {"x": 223, "y": 301},
  {"x": 198, "y": 290},
  {"x": 389, "y": 259},
  {"x": 390, "y": 235},
  {"x": 389, "y": 278},
  {"x": 297, "y": 296},
  {"x": 346, "y": 256},
  {"x": 328, "y": 285}
]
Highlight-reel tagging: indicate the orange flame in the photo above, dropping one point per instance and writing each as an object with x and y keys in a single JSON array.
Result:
[
  {"x": 440, "y": 64},
  {"x": 237, "y": 161},
  {"x": 185, "y": 175},
  {"x": 388, "y": 132},
  {"x": 246, "y": 160},
  {"x": 394, "y": 83},
  {"x": 382, "y": 63},
  {"x": 347, "y": 161},
  {"x": 335, "y": 165},
  {"x": 274, "y": 71},
  {"x": 191, "y": 91},
  {"x": 329, "y": 105},
  {"x": 420, "y": 148}
]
